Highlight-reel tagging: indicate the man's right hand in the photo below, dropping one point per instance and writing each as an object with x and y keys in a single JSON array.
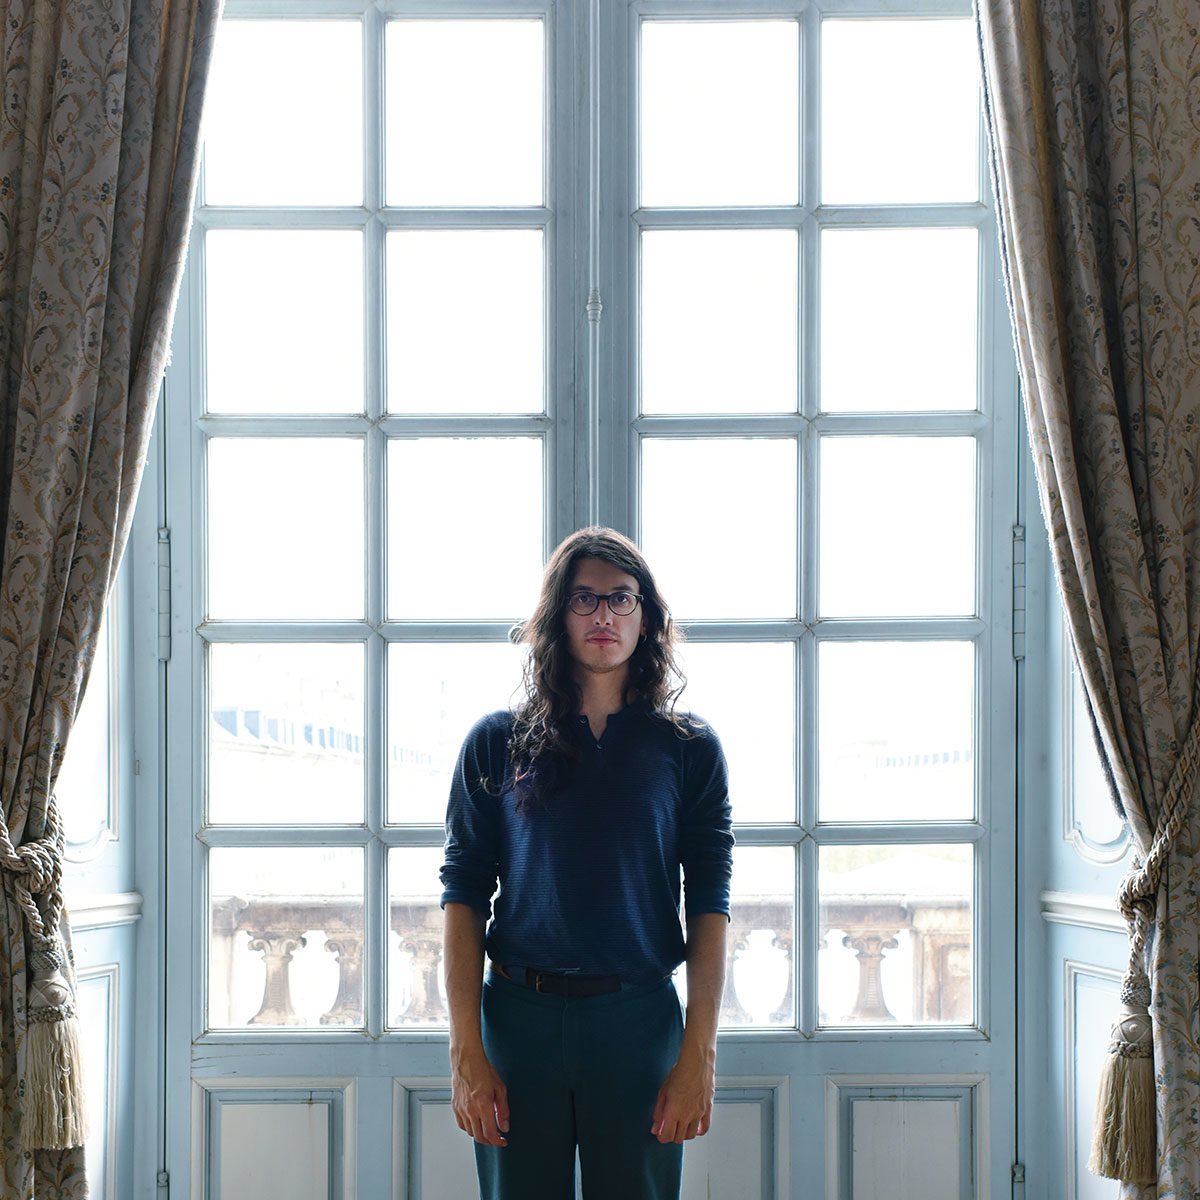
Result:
[{"x": 479, "y": 1098}]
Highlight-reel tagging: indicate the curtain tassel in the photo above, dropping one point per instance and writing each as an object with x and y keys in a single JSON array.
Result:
[
  {"x": 53, "y": 1115},
  {"x": 1123, "y": 1137}
]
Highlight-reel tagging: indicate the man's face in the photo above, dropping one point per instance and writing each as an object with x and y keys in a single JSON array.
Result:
[{"x": 602, "y": 641}]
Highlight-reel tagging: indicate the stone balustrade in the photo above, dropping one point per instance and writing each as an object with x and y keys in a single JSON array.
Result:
[{"x": 760, "y": 935}]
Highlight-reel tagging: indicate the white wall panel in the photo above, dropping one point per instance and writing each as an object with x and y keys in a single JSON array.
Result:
[
  {"x": 270, "y": 1137},
  {"x": 905, "y": 1149},
  {"x": 735, "y": 1160},
  {"x": 914, "y": 1138},
  {"x": 447, "y": 1157},
  {"x": 434, "y": 1159},
  {"x": 99, "y": 1033},
  {"x": 729, "y": 1159},
  {"x": 1094, "y": 1000},
  {"x": 279, "y": 1149}
]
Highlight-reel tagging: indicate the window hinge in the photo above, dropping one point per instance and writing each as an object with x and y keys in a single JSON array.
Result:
[
  {"x": 164, "y": 1183},
  {"x": 164, "y": 595},
  {"x": 1018, "y": 576},
  {"x": 595, "y": 306},
  {"x": 1018, "y": 1181}
]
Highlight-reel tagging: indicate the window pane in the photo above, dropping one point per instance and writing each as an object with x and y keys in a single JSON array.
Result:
[
  {"x": 913, "y": 295},
  {"x": 287, "y": 937},
  {"x": 897, "y": 526},
  {"x": 719, "y": 525},
  {"x": 896, "y": 723},
  {"x": 464, "y": 112},
  {"x": 286, "y": 733},
  {"x": 436, "y": 692},
  {"x": 896, "y": 935},
  {"x": 279, "y": 89},
  {"x": 899, "y": 111},
  {"x": 416, "y": 982},
  {"x": 720, "y": 103},
  {"x": 464, "y": 527},
  {"x": 758, "y": 990},
  {"x": 278, "y": 546},
  {"x": 274, "y": 342},
  {"x": 464, "y": 320},
  {"x": 758, "y": 739},
  {"x": 719, "y": 319}
]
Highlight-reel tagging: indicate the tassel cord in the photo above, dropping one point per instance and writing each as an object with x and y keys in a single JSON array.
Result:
[
  {"x": 1124, "y": 1142},
  {"x": 53, "y": 1111},
  {"x": 35, "y": 869},
  {"x": 1138, "y": 894}
]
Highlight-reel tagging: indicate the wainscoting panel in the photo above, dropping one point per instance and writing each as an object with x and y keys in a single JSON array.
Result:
[
  {"x": 276, "y": 1141},
  {"x": 905, "y": 1148},
  {"x": 904, "y": 1139},
  {"x": 434, "y": 1159},
  {"x": 736, "y": 1158},
  {"x": 1093, "y": 1002},
  {"x": 99, "y": 1008}
]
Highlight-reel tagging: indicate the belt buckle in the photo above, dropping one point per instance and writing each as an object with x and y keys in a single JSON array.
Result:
[{"x": 537, "y": 982}]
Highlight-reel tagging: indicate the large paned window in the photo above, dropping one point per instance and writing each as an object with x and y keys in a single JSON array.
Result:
[
  {"x": 810, "y": 465},
  {"x": 467, "y": 277},
  {"x": 379, "y": 345}
]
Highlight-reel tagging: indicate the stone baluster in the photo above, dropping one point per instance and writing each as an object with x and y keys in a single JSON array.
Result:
[
  {"x": 277, "y": 950},
  {"x": 784, "y": 1014},
  {"x": 426, "y": 1005},
  {"x": 348, "y": 1007},
  {"x": 869, "y": 945},
  {"x": 732, "y": 1012},
  {"x": 822, "y": 944}
]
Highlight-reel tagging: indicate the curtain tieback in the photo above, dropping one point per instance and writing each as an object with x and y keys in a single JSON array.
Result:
[
  {"x": 1124, "y": 1142},
  {"x": 53, "y": 1111},
  {"x": 35, "y": 869},
  {"x": 36, "y": 862}
]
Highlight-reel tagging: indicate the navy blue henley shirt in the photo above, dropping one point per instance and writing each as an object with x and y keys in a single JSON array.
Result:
[{"x": 591, "y": 883}]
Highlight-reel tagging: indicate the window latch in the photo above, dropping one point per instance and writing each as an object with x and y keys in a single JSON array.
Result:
[
  {"x": 164, "y": 595},
  {"x": 1018, "y": 585}
]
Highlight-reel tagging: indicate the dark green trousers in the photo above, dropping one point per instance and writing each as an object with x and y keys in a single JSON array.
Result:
[{"x": 581, "y": 1072}]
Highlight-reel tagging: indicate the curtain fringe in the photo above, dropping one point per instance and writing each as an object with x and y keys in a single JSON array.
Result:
[
  {"x": 54, "y": 1113},
  {"x": 1123, "y": 1138},
  {"x": 53, "y": 1103}
]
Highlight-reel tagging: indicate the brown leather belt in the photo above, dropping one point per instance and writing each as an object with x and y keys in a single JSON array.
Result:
[{"x": 551, "y": 984}]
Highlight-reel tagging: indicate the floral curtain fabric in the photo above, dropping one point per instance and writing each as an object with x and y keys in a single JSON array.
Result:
[
  {"x": 1094, "y": 121},
  {"x": 99, "y": 127}
]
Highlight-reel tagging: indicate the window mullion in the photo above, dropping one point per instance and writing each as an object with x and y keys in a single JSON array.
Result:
[
  {"x": 612, "y": 198},
  {"x": 375, "y": 933},
  {"x": 567, "y": 465}
]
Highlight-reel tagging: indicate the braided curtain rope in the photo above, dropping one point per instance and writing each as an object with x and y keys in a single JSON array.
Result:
[
  {"x": 1140, "y": 887},
  {"x": 36, "y": 869}
]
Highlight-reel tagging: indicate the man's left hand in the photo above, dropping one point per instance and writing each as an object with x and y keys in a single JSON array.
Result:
[{"x": 685, "y": 1100}]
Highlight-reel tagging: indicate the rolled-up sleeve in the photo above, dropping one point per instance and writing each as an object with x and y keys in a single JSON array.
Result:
[
  {"x": 471, "y": 865},
  {"x": 707, "y": 849}
]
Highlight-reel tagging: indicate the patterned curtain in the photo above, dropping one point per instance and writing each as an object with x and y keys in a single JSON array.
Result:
[
  {"x": 99, "y": 141},
  {"x": 1094, "y": 121}
]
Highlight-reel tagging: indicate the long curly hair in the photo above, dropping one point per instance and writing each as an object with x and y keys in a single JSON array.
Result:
[{"x": 540, "y": 748}]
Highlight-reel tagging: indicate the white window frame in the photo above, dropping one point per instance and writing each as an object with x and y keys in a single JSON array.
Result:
[
  {"x": 592, "y": 428},
  {"x": 993, "y": 424}
]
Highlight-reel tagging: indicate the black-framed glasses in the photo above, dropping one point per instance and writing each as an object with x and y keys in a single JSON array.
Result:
[{"x": 620, "y": 604}]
